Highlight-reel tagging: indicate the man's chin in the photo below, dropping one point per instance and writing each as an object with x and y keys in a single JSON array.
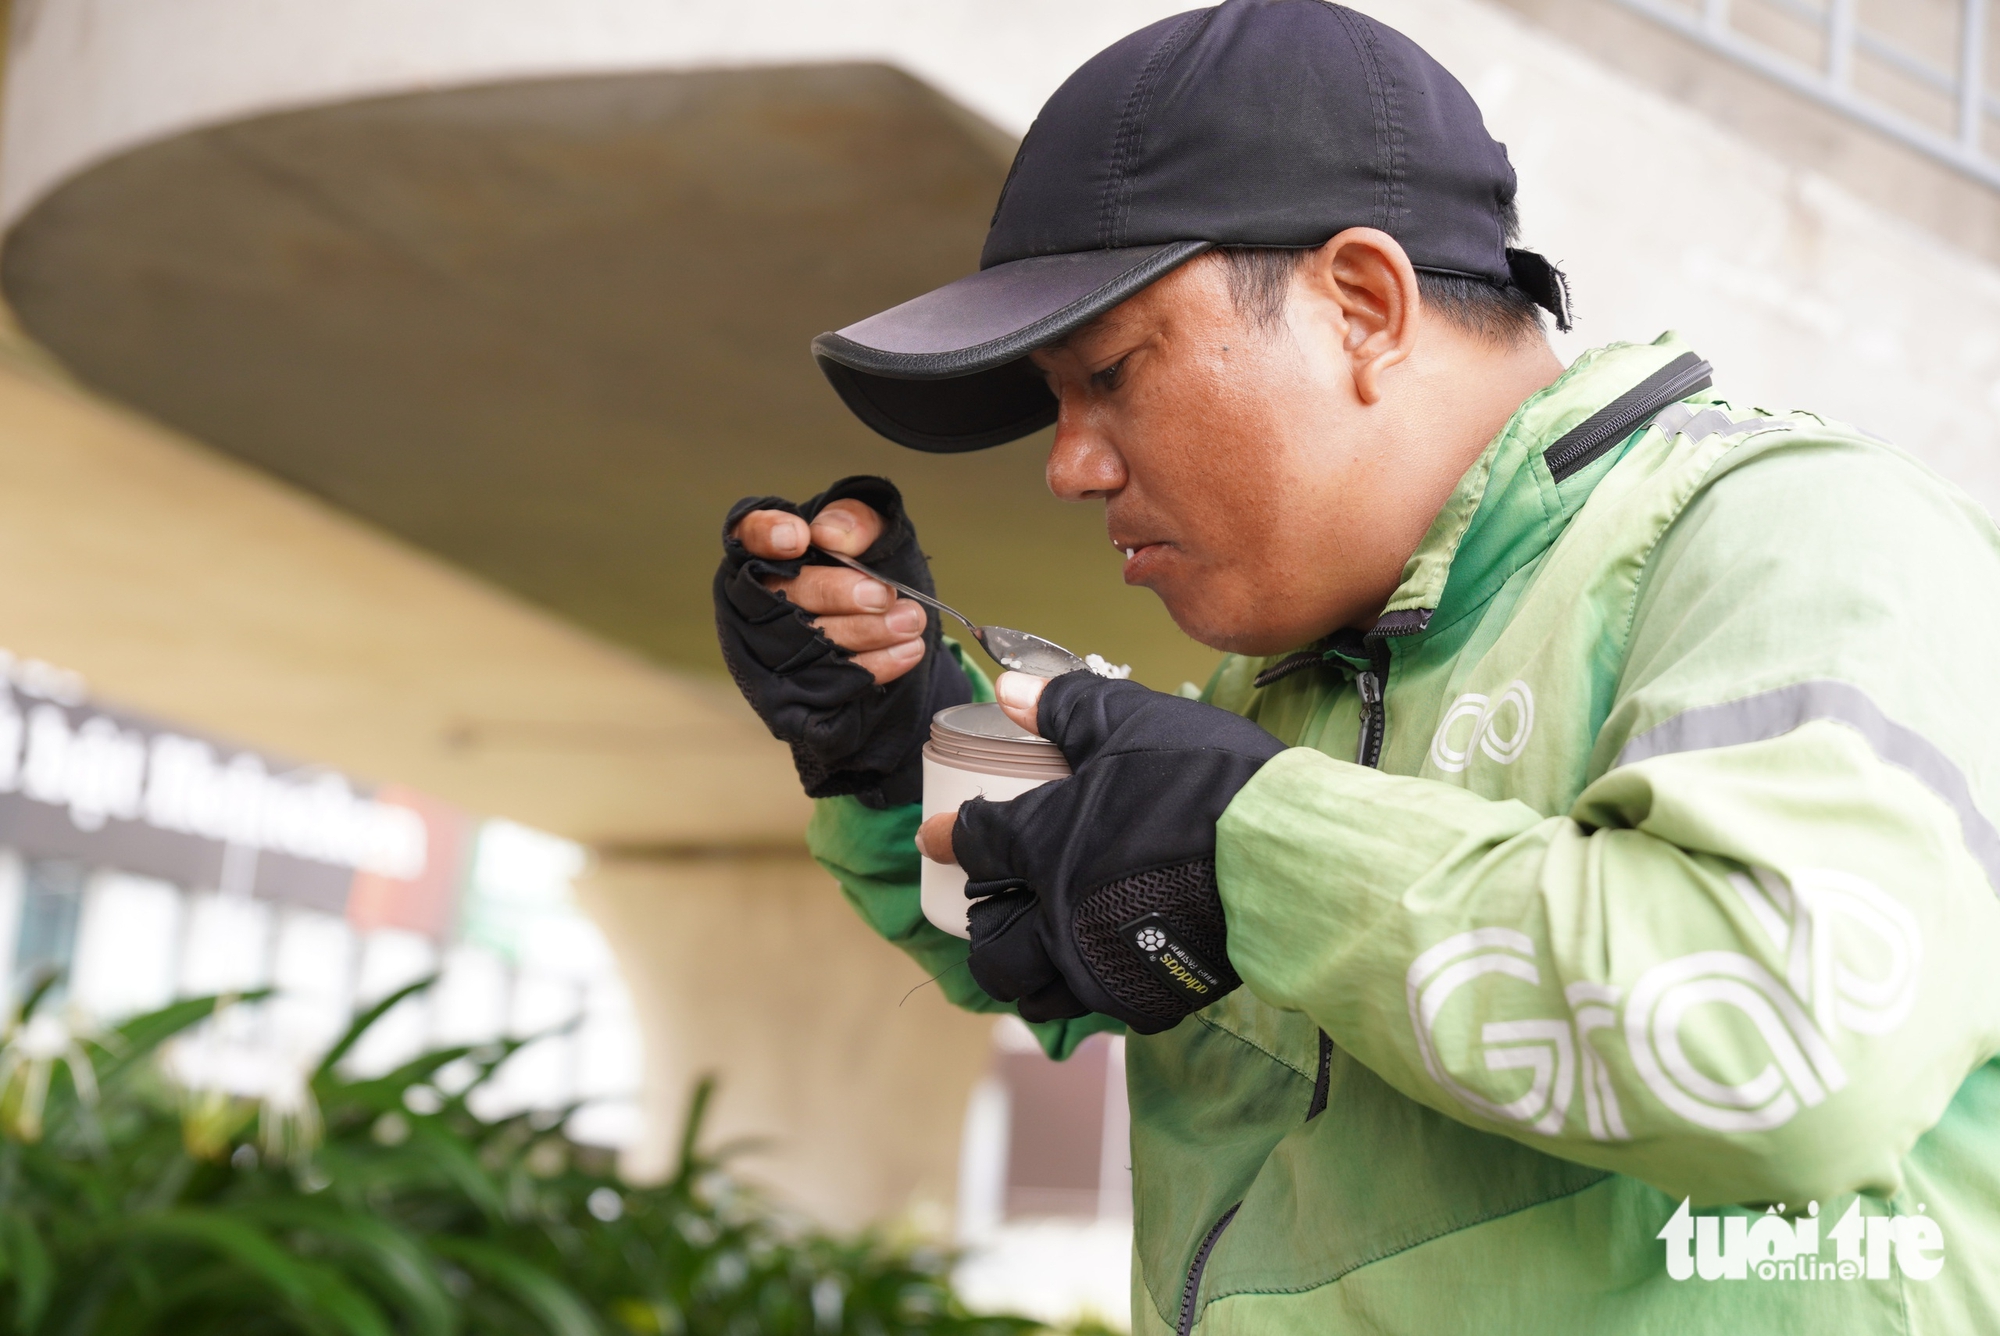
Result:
[{"x": 1218, "y": 625}]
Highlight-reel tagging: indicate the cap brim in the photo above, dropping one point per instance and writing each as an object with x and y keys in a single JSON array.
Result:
[{"x": 948, "y": 371}]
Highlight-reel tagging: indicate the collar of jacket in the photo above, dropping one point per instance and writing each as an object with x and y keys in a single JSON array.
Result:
[{"x": 1508, "y": 508}]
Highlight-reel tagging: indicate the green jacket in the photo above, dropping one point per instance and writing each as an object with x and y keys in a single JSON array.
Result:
[{"x": 1674, "y": 881}]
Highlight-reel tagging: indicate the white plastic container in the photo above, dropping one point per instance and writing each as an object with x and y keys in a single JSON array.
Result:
[{"x": 976, "y": 751}]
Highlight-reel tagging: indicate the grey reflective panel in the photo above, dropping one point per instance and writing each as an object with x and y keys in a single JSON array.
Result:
[
  {"x": 1774, "y": 713},
  {"x": 1674, "y": 417},
  {"x": 1698, "y": 422},
  {"x": 1746, "y": 426},
  {"x": 1706, "y": 423}
]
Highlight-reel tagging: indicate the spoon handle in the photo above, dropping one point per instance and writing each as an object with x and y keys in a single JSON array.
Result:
[{"x": 904, "y": 589}]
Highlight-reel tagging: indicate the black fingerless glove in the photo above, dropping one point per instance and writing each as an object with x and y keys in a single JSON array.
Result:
[
  {"x": 1102, "y": 885},
  {"x": 848, "y": 735}
]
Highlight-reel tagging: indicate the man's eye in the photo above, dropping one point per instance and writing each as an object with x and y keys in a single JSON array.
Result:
[{"x": 1107, "y": 379}]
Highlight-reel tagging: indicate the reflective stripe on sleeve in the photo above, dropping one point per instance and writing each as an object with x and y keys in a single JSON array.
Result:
[{"x": 1774, "y": 713}]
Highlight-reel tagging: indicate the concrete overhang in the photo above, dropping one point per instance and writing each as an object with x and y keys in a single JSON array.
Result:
[
  {"x": 546, "y": 327},
  {"x": 88, "y": 79}
]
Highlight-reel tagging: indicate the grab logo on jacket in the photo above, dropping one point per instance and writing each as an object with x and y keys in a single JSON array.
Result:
[
  {"x": 1497, "y": 726},
  {"x": 1821, "y": 992}
]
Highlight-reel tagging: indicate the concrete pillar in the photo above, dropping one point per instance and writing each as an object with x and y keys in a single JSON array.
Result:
[{"x": 830, "y": 1048}]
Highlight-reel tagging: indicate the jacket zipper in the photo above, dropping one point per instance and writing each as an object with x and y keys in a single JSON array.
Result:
[
  {"x": 1323, "y": 1083},
  {"x": 1192, "y": 1289},
  {"x": 1628, "y": 413},
  {"x": 1374, "y": 725},
  {"x": 1369, "y": 750},
  {"x": 1370, "y": 682},
  {"x": 1374, "y": 720}
]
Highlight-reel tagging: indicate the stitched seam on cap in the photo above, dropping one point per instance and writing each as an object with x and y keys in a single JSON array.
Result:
[
  {"x": 1013, "y": 168},
  {"x": 1177, "y": 43},
  {"x": 1107, "y": 204},
  {"x": 1393, "y": 109},
  {"x": 1385, "y": 120},
  {"x": 1116, "y": 204},
  {"x": 1364, "y": 50}
]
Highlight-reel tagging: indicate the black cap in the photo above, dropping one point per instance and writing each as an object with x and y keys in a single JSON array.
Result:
[{"x": 1255, "y": 123}]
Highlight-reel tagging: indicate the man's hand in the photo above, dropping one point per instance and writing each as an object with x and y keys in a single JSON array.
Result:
[
  {"x": 1098, "y": 892},
  {"x": 884, "y": 633},
  {"x": 832, "y": 661}
]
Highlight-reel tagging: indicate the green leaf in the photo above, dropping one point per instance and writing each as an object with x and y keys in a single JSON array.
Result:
[
  {"x": 503, "y": 1049},
  {"x": 315, "y": 1291},
  {"x": 137, "y": 1038},
  {"x": 456, "y": 1160},
  {"x": 397, "y": 1258},
  {"x": 390, "y": 1085},
  {"x": 361, "y": 1025},
  {"x": 44, "y": 980},
  {"x": 691, "y": 1159},
  {"x": 121, "y": 1231},
  {"x": 553, "y": 1303},
  {"x": 34, "y": 1272}
]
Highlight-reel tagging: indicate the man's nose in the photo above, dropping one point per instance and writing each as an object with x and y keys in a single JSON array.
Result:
[{"x": 1083, "y": 463}]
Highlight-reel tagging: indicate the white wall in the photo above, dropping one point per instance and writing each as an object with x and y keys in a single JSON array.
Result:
[{"x": 1801, "y": 295}]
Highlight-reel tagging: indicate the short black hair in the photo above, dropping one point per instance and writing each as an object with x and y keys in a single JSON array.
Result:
[{"x": 1260, "y": 282}]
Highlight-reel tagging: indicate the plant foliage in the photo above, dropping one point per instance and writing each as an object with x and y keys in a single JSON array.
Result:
[{"x": 386, "y": 1205}]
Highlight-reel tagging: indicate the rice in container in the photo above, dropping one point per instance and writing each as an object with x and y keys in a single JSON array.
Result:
[{"x": 976, "y": 751}]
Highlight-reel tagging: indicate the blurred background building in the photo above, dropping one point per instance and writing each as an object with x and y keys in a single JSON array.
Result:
[
  {"x": 377, "y": 372},
  {"x": 139, "y": 864}
]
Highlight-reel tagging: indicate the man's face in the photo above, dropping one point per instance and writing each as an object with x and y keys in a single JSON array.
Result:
[{"x": 1251, "y": 483}]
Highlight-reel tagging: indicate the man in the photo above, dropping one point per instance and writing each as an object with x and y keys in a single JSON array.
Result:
[{"x": 1596, "y": 807}]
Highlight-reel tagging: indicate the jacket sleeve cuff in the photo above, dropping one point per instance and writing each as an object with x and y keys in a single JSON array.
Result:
[
  {"x": 982, "y": 685},
  {"x": 873, "y": 855}
]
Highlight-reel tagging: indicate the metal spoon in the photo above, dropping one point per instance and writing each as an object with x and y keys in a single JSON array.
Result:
[{"x": 1016, "y": 650}]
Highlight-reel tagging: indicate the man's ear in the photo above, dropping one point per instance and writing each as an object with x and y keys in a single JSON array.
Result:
[{"x": 1367, "y": 277}]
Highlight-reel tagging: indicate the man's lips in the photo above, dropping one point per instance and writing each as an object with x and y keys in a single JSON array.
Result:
[{"x": 1141, "y": 558}]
